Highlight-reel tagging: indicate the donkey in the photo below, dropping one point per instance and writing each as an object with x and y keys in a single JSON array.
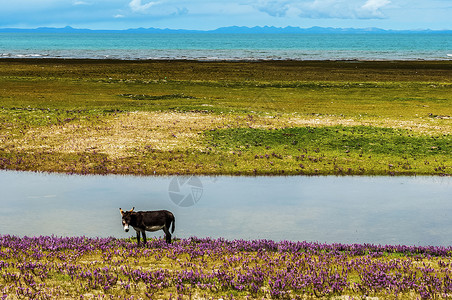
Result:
[{"x": 143, "y": 221}]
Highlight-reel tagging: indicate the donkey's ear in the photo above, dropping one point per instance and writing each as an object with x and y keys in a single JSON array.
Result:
[
  {"x": 122, "y": 212},
  {"x": 132, "y": 209}
]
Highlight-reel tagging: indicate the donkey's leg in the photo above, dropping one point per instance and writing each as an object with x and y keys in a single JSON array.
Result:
[
  {"x": 167, "y": 235},
  {"x": 144, "y": 237},
  {"x": 138, "y": 238}
]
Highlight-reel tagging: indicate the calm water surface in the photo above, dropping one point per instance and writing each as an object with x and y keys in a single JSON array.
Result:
[
  {"x": 381, "y": 210},
  {"x": 211, "y": 46}
]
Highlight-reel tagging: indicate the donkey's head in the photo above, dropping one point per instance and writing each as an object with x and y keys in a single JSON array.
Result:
[{"x": 126, "y": 218}]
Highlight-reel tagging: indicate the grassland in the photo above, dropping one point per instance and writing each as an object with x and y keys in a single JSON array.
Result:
[
  {"x": 107, "y": 268},
  {"x": 239, "y": 118}
]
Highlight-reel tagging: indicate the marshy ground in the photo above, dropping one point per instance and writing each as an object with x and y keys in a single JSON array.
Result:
[{"x": 238, "y": 118}]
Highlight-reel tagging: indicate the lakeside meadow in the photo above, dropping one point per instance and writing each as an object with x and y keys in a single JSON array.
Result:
[
  {"x": 223, "y": 118},
  {"x": 196, "y": 268},
  {"x": 226, "y": 117}
]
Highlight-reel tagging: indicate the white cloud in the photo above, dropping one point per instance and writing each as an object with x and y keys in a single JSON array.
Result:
[
  {"x": 372, "y": 7},
  {"x": 80, "y": 3},
  {"x": 158, "y": 9},
  {"x": 322, "y": 9},
  {"x": 274, "y": 8},
  {"x": 137, "y": 6},
  {"x": 375, "y": 4}
]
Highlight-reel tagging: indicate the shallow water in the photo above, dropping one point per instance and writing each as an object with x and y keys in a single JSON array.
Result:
[{"x": 379, "y": 210}]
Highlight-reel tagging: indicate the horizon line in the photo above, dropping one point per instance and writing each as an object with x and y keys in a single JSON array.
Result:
[{"x": 236, "y": 27}]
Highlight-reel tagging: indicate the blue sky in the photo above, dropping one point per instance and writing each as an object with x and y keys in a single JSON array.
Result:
[{"x": 211, "y": 14}]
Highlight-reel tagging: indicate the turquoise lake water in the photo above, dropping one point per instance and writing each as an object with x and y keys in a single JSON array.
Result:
[{"x": 215, "y": 46}]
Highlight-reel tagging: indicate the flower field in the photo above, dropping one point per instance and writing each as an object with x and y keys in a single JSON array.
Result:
[{"x": 49, "y": 267}]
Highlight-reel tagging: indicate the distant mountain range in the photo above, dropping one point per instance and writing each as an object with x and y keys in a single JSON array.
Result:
[{"x": 232, "y": 29}]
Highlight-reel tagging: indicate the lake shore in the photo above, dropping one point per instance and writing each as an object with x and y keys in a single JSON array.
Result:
[
  {"x": 259, "y": 70},
  {"x": 226, "y": 117}
]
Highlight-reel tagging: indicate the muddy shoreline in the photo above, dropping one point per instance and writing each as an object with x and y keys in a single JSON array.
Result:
[{"x": 275, "y": 70}]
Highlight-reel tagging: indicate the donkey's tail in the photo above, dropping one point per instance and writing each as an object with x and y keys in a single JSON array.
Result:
[{"x": 173, "y": 224}]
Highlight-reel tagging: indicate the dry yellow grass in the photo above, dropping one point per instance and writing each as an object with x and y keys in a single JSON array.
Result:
[{"x": 120, "y": 136}]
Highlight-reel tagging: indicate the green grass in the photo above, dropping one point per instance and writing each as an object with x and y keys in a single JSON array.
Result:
[
  {"x": 219, "y": 118},
  {"x": 356, "y": 139},
  {"x": 334, "y": 150},
  {"x": 354, "y": 99}
]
